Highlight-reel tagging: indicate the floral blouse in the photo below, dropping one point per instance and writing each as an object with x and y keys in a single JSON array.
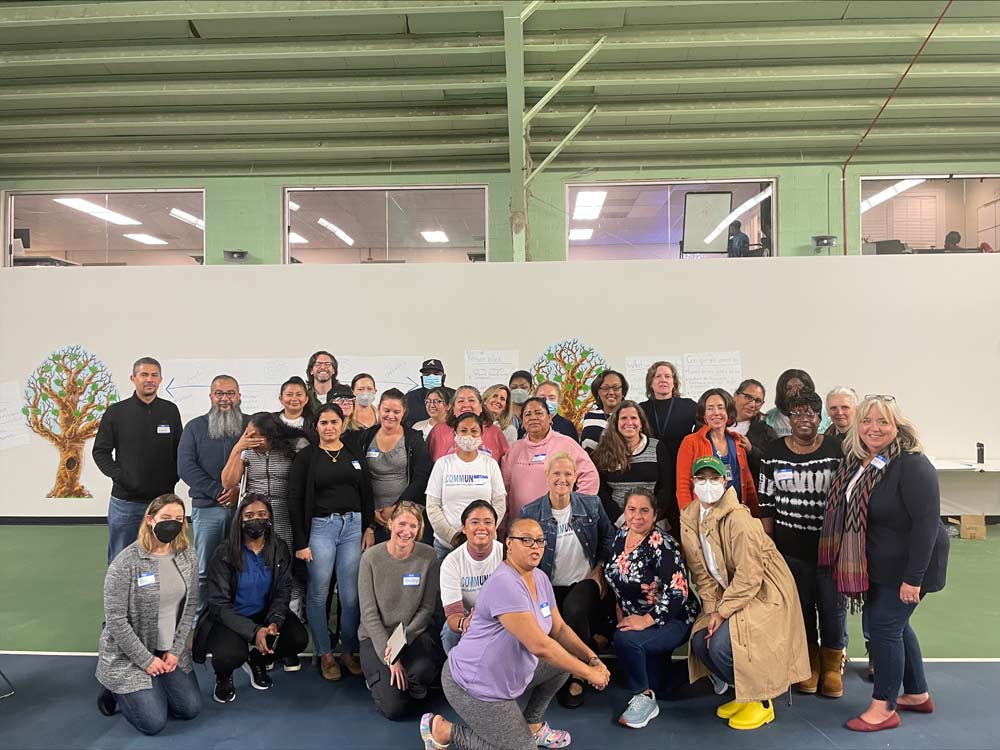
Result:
[{"x": 657, "y": 560}]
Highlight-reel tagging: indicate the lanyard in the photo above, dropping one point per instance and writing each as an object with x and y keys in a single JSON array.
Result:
[{"x": 660, "y": 429}]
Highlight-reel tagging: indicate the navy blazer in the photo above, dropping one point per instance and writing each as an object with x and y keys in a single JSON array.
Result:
[
  {"x": 589, "y": 521},
  {"x": 906, "y": 541}
]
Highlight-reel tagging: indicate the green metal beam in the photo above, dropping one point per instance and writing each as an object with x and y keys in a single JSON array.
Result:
[
  {"x": 561, "y": 145},
  {"x": 530, "y": 9},
  {"x": 513, "y": 31},
  {"x": 562, "y": 82}
]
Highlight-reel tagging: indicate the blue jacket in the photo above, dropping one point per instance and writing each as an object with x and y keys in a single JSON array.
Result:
[
  {"x": 200, "y": 460},
  {"x": 589, "y": 521}
]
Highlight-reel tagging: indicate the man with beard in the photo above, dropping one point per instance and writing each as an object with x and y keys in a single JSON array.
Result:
[
  {"x": 136, "y": 446},
  {"x": 204, "y": 449},
  {"x": 321, "y": 377}
]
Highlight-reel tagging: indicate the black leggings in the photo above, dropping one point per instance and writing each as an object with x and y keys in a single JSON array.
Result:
[
  {"x": 583, "y": 609},
  {"x": 421, "y": 660},
  {"x": 229, "y": 649}
]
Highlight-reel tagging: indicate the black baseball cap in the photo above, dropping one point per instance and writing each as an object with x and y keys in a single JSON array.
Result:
[
  {"x": 432, "y": 365},
  {"x": 341, "y": 390}
]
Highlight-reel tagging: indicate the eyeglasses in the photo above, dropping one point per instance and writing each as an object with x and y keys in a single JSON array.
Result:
[
  {"x": 344, "y": 400},
  {"x": 433, "y": 402},
  {"x": 529, "y": 542},
  {"x": 323, "y": 365},
  {"x": 808, "y": 414},
  {"x": 610, "y": 389},
  {"x": 748, "y": 397},
  {"x": 224, "y": 394},
  {"x": 880, "y": 397}
]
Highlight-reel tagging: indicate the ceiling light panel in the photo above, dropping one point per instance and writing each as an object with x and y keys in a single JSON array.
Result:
[
  {"x": 344, "y": 236},
  {"x": 146, "y": 239},
  {"x": 188, "y": 218},
  {"x": 98, "y": 212},
  {"x": 588, "y": 204},
  {"x": 435, "y": 235},
  {"x": 297, "y": 239},
  {"x": 581, "y": 234}
]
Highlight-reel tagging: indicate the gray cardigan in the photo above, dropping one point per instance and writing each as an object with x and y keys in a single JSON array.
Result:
[{"x": 131, "y": 614}]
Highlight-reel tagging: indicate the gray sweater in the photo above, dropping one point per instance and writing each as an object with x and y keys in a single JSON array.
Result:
[
  {"x": 386, "y": 600},
  {"x": 132, "y": 614}
]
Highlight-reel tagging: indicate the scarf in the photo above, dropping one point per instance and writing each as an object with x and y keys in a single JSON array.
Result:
[{"x": 842, "y": 540}]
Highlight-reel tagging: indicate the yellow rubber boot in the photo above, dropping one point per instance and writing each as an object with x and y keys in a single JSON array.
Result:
[
  {"x": 809, "y": 686},
  {"x": 753, "y": 715},
  {"x": 728, "y": 710}
]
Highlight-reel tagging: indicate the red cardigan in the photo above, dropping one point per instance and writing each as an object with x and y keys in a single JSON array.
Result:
[{"x": 698, "y": 444}]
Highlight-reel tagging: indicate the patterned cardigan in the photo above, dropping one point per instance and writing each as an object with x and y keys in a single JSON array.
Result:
[{"x": 132, "y": 616}]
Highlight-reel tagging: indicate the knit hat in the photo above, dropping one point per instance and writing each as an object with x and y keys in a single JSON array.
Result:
[{"x": 709, "y": 462}]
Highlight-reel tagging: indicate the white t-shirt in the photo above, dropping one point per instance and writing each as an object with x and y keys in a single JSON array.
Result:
[
  {"x": 425, "y": 426},
  {"x": 706, "y": 549},
  {"x": 741, "y": 427},
  {"x": 462, "y": 576},
  {"x": 571, "y": 563},
  {"x": 459, "y": 482}
]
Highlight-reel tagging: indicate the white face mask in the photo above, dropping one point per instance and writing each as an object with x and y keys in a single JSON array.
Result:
[
  {"x": 709, "y": 492},
  {"x": 519, "y": 395},
  {"x": 365, "y": 398},
  {"x": 468, "y": 442}
]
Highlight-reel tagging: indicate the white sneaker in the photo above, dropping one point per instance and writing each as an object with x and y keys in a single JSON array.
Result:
[
  {"x": 718, "y": 685},
  {"x": 641, "y": 710}
]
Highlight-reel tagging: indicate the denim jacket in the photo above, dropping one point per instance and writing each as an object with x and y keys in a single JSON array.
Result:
[{"x": 589, "y": 521}]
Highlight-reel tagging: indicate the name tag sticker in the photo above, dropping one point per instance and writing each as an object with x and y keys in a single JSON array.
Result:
[
  {"x": 356, "y": 465},
  {"x": 163, "y": 429},
  {"x": 485, "y": 451},
  {"x": 539, "y": 458},
  {"x": 147, "y": 579},
  {"x": 879, "y": 462},
  {"x": 545, "y": 609},
  {"x": 784, "y": 475},
  {"x": 411, "y": 579},
  {"x": 372, "y": 453}
]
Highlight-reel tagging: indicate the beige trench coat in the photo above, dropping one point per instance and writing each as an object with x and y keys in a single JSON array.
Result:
[{"x": 759, "y": 600}]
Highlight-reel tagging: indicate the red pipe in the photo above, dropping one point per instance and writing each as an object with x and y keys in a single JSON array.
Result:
[{"x": 857, "y": 147}]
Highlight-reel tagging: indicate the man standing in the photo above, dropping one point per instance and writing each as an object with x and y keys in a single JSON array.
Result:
[
  {"x": 739, "y": 243},
  {"x": 431, "y": 376},
  {"x": 204, "y": 449},
  {"x": 321, "y": 376},
  {"x": 136, "y": 445}
]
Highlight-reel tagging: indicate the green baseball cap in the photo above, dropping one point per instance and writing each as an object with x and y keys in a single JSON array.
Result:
[{"x": 709, "y": 462}]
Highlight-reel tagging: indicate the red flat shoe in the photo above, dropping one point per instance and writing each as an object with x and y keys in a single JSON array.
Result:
[
  {"x": 927, "y": 707},
  {"x": 858, "y": 724}
]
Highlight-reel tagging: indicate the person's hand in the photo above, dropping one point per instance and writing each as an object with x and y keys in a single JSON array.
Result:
[
  {"x": 714, "y": 621},
  {"x": 651, "y": 591},
  {"x": 909, "y": 594},
  {"x": 247, "y": 441},
  {"x": 305, "y": 554},
  {"x": 171, "y": 661},
  {"x": 468, "y": 621},
  {"x": 635, "y": 622},
  {"x": 397, "y": 676},
  {"x": 745, "y": 443},
  {"x": 157, "y": 667},
  {"x": 367, "y": 539},
  {"x": 260, "y": 640},
  {"x": 382, "y": 516},
  {"x": 598, "y": 676},
  {"x": 227, "y": 498}
]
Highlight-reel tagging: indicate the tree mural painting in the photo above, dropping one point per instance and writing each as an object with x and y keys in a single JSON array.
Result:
[
  {"x": 64, "y": 401},
  {"x": 573, "y": 365}
]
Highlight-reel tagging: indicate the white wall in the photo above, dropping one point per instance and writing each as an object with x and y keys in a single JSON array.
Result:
[{"x": 921, "y": 328}]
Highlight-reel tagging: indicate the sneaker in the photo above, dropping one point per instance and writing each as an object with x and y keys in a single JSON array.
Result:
[
  {"x": 291, "y": 663},
  {"x": 641, "y": 710},
  {"x": 224, "y": 690},
  {"x": 259, "y": 678},
  {"x": 352, "y": 662},
  {"x": 107, "y": 704},
  {"x": 329, "y": 668},
  {"x": 426, "y": 722},
  {"x": 548, "y": 737},
  {"x": 719, "y": 685}
]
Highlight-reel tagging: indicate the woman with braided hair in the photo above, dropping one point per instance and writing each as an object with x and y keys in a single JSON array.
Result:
[{"x": 885, "y": 545}]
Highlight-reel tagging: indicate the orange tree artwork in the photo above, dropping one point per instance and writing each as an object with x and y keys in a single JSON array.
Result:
[
  {"x": 63, "y": 402},
  {"x": 573, "y": 365}
]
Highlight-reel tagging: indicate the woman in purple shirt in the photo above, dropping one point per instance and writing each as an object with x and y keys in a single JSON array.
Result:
[{"x": 515, "y": 624}]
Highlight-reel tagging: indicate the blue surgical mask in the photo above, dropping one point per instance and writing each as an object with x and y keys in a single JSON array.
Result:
[
  {"x": 432, "y": 381},
  {"x": 553, "y": 407}
]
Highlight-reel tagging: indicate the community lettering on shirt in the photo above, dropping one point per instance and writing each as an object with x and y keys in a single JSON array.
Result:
[
  {"x": 469, "y": 583},
  {"x": 452, "y": 480},
  {"x": 564, "y": 529}
]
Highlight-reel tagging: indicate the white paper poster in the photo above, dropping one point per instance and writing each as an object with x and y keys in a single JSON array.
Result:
[
  {"x": 14, "y": 432},
  {"x": 635, "y": 371},
  {"x": 486, "y": 367},
  {"x": 704, "y": 370}
]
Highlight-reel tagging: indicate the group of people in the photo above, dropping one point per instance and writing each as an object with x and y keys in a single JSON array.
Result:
[{"x": 480, "y": 542}]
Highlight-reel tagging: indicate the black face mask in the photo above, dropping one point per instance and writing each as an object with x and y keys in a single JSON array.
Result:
[
  {"x": 167, "y": 531},
  {"x": 256, "y": 528}
]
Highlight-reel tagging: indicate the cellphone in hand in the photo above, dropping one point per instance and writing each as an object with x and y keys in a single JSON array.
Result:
[{"x": 272, "y": 640}]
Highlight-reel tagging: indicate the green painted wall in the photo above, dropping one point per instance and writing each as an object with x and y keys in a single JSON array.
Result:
[{"x": 246, "y": 212}]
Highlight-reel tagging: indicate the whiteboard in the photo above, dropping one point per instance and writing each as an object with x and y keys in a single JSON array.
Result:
[{"x": 703, "y": 212}]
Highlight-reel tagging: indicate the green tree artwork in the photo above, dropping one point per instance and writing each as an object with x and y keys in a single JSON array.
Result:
[{"x": 573, "y": 365}]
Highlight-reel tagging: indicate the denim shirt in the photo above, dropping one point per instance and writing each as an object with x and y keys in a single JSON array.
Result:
[{"x": 589, "y": 522}]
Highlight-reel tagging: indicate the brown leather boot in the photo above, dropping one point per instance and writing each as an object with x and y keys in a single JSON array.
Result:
[
  {"x": 831, "y": 682},
  {"x": 809, "y": 686},
  {"x": 329, "y": 668}
]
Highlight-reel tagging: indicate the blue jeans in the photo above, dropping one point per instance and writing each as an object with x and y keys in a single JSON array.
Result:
[
  {"x": 174, "y": 694},
  {"x": 820, "y": 600},
  {"x": 442, "y": 550},
  {"x": 894, "y": 646},
  {"x": 716, "y": 653},
  {"x": 643, "y": 654},
  {"x": 124, "y": 520},
  {"x": 335, "y": 543},
  {"x": 211, "y": 528},
  {"x": 449, "y": 638}
]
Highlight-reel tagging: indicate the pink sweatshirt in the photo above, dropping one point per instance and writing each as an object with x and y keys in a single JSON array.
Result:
[{"x": 523, "y": 470}]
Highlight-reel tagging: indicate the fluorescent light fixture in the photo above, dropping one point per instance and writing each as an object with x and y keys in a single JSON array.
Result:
[
  {"x": 294, "y": 206},
  {"x": 336, "y": 230},
  {"x": 146, "y": 239},
  {"x": 581, "y": 234},
  {"x": 588, "y": 204},
  {"x": 99, "y": 212},
  {"x": 297, "y": 239},
  {"x": 890, "y": 192},
  {"x": 434, "y": 235},
  {"x": 189, "y": 218},
  {"x": 737, "y": 213}
]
